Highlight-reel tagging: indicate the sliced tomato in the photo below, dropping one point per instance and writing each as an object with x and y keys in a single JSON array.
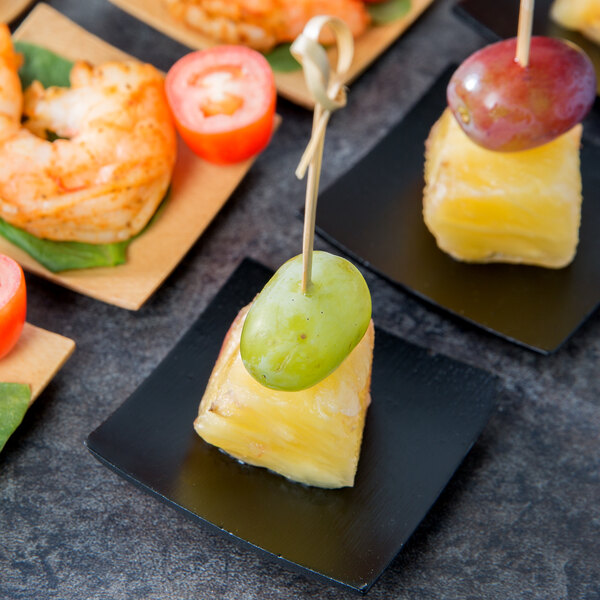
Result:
[
  {"x": 13, "y": 303},
  {"x": 223, "y": 101}
]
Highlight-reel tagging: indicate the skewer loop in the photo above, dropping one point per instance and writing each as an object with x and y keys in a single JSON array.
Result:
[{"x": 327, "y": 88}]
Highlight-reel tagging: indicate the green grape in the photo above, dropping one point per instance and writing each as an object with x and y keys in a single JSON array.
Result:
[{"x": 292, "y": 340}]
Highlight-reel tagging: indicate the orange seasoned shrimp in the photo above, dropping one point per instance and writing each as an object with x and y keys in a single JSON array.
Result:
[
  {"x": 261, "y": 24},
  {"x": 105, "y": 179}
]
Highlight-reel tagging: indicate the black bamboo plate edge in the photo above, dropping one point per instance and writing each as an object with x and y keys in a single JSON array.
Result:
[
  {"x": 443, "y": 309},
  {"x": 462, "y": 13},
  {"x": 240, "y": 542}
]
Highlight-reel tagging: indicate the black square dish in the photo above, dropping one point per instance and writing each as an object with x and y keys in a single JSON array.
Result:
[
  {"x": 374, "y": 213},
  {"x": 427, "y": 411}
]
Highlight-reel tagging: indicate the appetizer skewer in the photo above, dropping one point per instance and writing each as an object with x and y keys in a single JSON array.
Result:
[
  {"x": 290, "y": 387},
  {"x": 502, "y": 174}
]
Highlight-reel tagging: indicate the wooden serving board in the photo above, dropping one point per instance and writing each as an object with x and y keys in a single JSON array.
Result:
[
  {"x": 290, "y": 85},
  {"x": 198, "y": 190},
  {"x": 37, "y": 357},
  {"x": 11, "y": 9}
]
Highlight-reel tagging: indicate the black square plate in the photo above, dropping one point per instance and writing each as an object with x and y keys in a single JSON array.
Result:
[
  {"x": 427, "y": 412},
  {"x": 374, "y": 213},
  {"x": 500, "y": 18}
]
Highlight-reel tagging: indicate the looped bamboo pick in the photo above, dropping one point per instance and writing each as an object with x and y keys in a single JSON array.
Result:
[{"x": 326, "y": 86}]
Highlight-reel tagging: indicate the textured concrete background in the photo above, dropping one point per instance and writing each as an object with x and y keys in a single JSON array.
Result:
[{"x": 521, "y": 517}]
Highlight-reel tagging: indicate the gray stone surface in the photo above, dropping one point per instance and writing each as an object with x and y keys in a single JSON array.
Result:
[{"x": 521, "y": 517}]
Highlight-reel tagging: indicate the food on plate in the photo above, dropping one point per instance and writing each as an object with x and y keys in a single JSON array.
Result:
[
  {"x": 103, "y": 177},
  {"x": 294, "y": 339},
  {"x": 291, "y": 385},
  {"x": 13, "y": 303},
  {"x": 311, "y": 436},
  {"x": 223, "y": 100},
  {"x": 581, "y": 15},
  {"x": 504, "y": 106},
  {"x": 488, "y": 206},
  {"x": 262, "y": 24},
  {"x": 502, "y": 174}
]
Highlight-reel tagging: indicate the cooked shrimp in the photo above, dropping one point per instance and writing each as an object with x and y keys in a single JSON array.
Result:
[
  {"x": 105, "y": 180},
  {"x": 261, "y": 24}
]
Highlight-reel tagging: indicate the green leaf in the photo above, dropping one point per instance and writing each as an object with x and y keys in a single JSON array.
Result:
[
  {"x": 51, "y": 136},
  {"x": 61, "y": 256},
  {"x": 281, "y": 59},
  {"x": 389, "y": 11},
  {"x": 14, "y": 401},
  {"x": 45, "y": 66}
]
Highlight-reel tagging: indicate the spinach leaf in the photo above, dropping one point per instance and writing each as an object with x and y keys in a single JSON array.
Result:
[
  {"x": 60, "y": 256},
  {"x": 14, "y": 401},
  {"x": 45, "y": 66},
  {"x": 281, "y": 59},
  {"x": 389, "y": 11}
]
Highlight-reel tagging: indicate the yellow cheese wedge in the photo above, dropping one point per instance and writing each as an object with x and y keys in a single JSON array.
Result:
[
  {"x": 516, "y": 207},
  {"x": 581, "y": 15},
  {"x": 312, "y": 436}
]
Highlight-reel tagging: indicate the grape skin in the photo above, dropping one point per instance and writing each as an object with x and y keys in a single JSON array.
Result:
[
  {"x": 506, "y": 107},
  {"x": 292, "y": 340}
]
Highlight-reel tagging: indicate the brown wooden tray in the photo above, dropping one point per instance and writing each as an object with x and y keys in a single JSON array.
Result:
[
  {"x": 37, "y": 357},
  {"x": 290, "y": 85},
  {"x": 198, "y": 191},
  {"x": 11, "y": 9}
]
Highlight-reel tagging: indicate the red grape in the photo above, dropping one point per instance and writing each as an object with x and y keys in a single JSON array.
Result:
[{"x": 504, "y": 106}]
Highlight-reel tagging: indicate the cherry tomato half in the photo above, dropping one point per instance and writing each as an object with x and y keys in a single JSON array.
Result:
[
  {"x": 13, "y": 303},
  {"x": 223, "y": 101}
]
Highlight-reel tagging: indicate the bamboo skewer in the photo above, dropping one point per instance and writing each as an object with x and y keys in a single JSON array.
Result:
[
  {"x": 329, "y": 95},
  {"x": 310, "y": 204},
  {"x": 524, "y": 32}
]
